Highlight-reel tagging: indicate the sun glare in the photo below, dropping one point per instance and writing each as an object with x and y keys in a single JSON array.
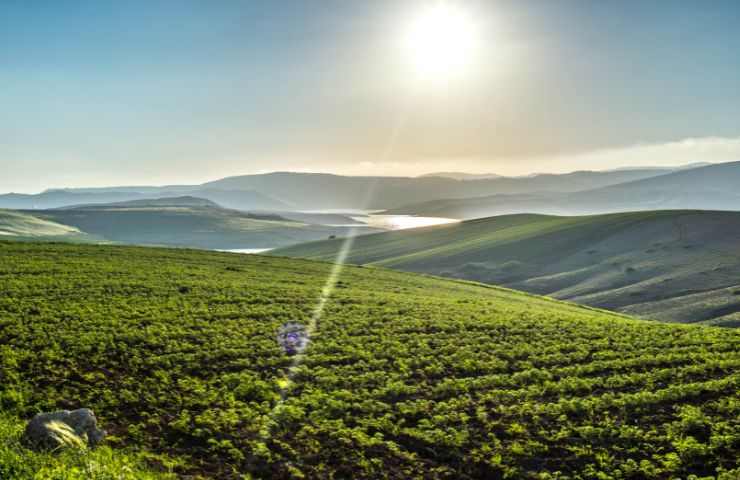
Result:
[{"x": 440, "y": 41}]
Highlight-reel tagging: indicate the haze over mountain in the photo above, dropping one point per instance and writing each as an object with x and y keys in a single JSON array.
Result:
[
  {"x": 237, "y": 199},
  {"x": 462, "y": 175},
  {"x": 679, "y": 266},
  {"x": 712, "y": 187},
  {"x": 315, "y": 191}
]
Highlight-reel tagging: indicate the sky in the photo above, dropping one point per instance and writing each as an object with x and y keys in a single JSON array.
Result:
[{"x": 96, "y": 93}]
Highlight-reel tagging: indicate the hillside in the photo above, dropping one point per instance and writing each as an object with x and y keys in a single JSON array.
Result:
[
  {"x": 710, "y": 187},
  {"x": 182, "y": 201},
  {"x": 407, "y": 375},
  {"x": 681, "y": 266},
  {"x": 147, "y": 222},
  {"x": 19, "y": 225},
  {"x": 240, "y": 199}
]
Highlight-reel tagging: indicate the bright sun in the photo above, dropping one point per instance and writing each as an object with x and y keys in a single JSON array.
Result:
[{"x": 440, "y": 42}]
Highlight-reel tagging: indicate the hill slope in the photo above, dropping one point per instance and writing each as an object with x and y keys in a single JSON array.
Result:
[
  {"x": 147, "y": 222},
  {"x": 406, "y": 377},
  {"x": 182, "y": 201},
  {"x": 671, "y": 265},
  {"x": 240, "y": 199},
  {"x": 19, "y": 225}
]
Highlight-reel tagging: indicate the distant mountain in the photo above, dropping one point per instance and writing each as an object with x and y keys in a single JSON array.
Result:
[
  {"x": 62, "y": 198},
  {"x": 237, "y": 199},
  {"x": 325, "y": 191},
  {"x": 688, "y": 166},
  {"x": 681, "y": 266},
  {"x": 184, "y": 201},
  {"x": 241, "y": 199},
  {"x": 712, "y": 187},
  {"x": 287, "y": 191},
  {"x": 462, "y": 175}
]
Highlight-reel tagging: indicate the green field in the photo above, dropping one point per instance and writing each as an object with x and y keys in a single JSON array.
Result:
[
  {"x": 407, "y": 377},
  {"x": 681, "y": 266}
]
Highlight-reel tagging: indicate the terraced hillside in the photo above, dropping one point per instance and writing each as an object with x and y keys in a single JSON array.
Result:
[
  {"x": 407, "y": 376},
  {"x": 681, "y": 266}
]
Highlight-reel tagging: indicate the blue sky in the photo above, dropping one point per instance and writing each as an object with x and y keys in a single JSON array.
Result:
[{"x": 151, "y": 92}]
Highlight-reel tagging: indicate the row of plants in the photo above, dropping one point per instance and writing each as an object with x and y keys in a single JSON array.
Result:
[{"x": 406, "y": 376}]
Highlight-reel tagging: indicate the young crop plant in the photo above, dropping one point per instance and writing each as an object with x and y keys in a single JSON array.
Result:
[{"x": 406, "y": 376}]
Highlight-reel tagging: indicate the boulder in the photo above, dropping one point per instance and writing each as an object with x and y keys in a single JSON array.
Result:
[{"x": 62, "y": 429}]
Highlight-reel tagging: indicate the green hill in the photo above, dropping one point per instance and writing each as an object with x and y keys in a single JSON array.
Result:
[
  {"x": 21, "y": 226},
  {"x": 407, "y": 376},
  {"x": 181, "y": 201},
  {"x": 185, "y": 222},
  {"x": 679, "y": 266}
]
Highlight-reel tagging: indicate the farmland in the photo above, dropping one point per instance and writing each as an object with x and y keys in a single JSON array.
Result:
[
  {"x": 408, "y": 376},
  {"x": 671, "y": 265}
]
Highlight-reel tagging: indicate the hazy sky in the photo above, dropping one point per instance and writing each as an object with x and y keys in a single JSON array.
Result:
[{"x": 151, "y": 92}]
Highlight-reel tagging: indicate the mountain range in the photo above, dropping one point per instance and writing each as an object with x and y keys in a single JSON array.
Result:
[
  {"x": 317, "y": 191},
  {"x": 712, "y": 187}
]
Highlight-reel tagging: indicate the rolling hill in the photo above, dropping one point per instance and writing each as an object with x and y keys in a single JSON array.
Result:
[
  {"x": 239, "y": 199},
  {"x": 407, "y": 376},
  {"x": 681, "y": 266},
  {"x": 710, "y": 187},
  {"x": 184, "y": 222},
  {"x": 19, "y": 225},
  {"x": 183, "y": 201}
]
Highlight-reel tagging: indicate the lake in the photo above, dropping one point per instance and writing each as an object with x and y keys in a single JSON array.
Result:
[
  {"x": 371, "y": 220},
  {"x": 402, "y": 222}
]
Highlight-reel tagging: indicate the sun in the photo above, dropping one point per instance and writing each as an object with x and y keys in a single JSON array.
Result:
[{"x": 440, "y": 41}]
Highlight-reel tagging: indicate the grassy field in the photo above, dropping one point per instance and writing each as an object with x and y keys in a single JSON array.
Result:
[
  {"x": 407, "y": 377},
  {"x": 105, "y": 463},
  {"x": 679, "y": 266}
]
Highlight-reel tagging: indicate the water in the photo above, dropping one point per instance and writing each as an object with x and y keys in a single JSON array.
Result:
[
  {"x": 246, "y": 250},
  {"x": 403, "y": 222},
  {"x": 371, "y": 220}
]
